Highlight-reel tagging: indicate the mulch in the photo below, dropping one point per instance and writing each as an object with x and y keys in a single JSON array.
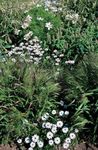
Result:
[{"x": 82, "y": 146}]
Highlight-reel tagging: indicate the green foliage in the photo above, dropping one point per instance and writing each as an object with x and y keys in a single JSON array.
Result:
[
  {"x": 85, "y": 8},
  {"x": 79, "y": 85}
]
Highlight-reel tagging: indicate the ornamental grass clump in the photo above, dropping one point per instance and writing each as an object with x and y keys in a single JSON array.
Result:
[{"x": 26, "y": 92}]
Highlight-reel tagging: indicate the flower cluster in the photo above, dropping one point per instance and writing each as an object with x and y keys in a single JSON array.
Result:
[
  {"x": 74, "y": 17},
  {"x": 58, "y": 58},
  {"x": 26, "y": 22},
  {"x": 53, "y": 6},
  {"x": 28, "y": 51},
  {"x": 56, "y": 129}
]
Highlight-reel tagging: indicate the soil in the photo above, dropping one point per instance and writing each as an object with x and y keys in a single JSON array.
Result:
[{"x": 82, "y": 146}]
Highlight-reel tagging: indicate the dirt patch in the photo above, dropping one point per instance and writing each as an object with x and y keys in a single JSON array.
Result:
[
  {"x": 8, "y": 147},
  {"x": 82, "y": 146},
  {"x": 85, "y": 146}
]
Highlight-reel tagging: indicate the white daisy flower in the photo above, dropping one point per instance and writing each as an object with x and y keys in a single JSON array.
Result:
[
  {"x": 59, "y": 124},
  {"x": 19, "y": 141},
  {"x": 28, "y": 35},
  {"x": 57, "y": 60},
  {"x": 65, "y": 145},
  {"x": 32, "y": 144},
  {"x": 57, "y": 64},
  {"x": 72, "y": 136},
  {"x": 57, "y": 140},
  {"x": 40, "y": 144},
  {"x": 51, "y": 142},
  {"x": 61, "y": 55},
  {"x": 47, "y": 57},
  {"x": 65, "y": 129},
  {"x": 54, "y": 130},
  {"x": 66, "y": 113},
  {"x": 55, "y": 51},
  {"x": 27, "y": 140},
  {"x": 48, "y": 25},
  {"x": 76, "y": 130},
  {"x": 48, "y": 125},
  {"x": 38, "y": 5},
  {"x": 49, "y": 135},
  {"x": 61, "y": 113},
  {"x": 68, "y": 140},
  {"x": 35, "y": 138},
  {"x": 53, "y": 112},
  {"x": 40, "y": 18}
]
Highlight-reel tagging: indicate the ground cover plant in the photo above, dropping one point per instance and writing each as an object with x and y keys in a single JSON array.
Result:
[{"x": 48, "y": 74}]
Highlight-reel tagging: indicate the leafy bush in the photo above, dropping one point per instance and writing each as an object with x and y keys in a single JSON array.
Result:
[{"x": 40, "y": 17}]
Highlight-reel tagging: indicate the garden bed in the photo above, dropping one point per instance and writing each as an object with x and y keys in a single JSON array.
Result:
[{"x": 49, "y": 75}]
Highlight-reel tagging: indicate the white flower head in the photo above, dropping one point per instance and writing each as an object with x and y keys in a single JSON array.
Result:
[
  {"x": 48, "y": 125},
  {"x": 68, "y": 140},
  {"x": 47, "y": 57},
  {"x": 48, "y": 25},
  {"x": 40, "y": 144},
  {"x": 35, "y": 138},
  {"x": 65, "y": 145},
  {"x": 45, "y": 116},
  {"x": 25, "y": 25},
  {"x": 49, "y": 135},
  {"x": 38, "y": 5},
  {"x": 16, "y": 32},
  {"x": 54, "y": 130},
  {"x": 27, "y": 140},
  {"x": 65, "y": 129},
  {"x": 53, "y": 112},
  {"x": 40, "y": 18},
  {"x": 59, "y": 124},
  {"x": 28, "y": 35},
  {"x": 32, "y": 144},
  {"x": 76, "y": 130},
  {"x": 66, "y": 113},
  {"x": 19, "y": 141},
  {"x": 72, "y": 136},
  {"x": 13, "y": 60},
  {"x": 57, "y": 140},
  {"x": 57, "y": 60},
  {"x": 61, "y": 113},
  {"x": 51, "y": 142}
]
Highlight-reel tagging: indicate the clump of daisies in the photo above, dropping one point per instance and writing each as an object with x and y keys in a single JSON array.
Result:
[
  {"x": 57, "y": 132},
  {"x": 29, "y": 50},
  {"x": 58, "y": 57}
]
